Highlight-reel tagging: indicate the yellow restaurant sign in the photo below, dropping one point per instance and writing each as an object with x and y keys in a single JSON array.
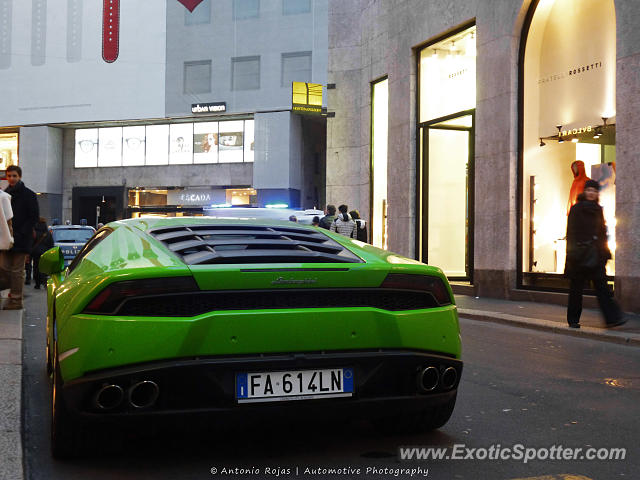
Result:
[{"x": 306, "y": 98}]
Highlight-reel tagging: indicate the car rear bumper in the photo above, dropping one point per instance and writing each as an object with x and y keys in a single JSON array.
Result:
[{"x": 384, "y": 382}]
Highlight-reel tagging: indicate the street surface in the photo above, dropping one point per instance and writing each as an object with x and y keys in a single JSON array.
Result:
[{"x": 519, "y": 387}]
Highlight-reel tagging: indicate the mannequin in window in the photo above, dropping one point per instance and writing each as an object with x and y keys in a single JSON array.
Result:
[{"x": 579, "y": 179}]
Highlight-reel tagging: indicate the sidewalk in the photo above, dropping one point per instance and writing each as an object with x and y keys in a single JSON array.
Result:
[
  {"x": 10, "y": 394},
  {"x": 549, "y": 317}
]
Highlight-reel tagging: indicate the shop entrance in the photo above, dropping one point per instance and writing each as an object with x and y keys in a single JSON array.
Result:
[
  {"x": 446, "y": 132},
  {"x": 447, "y": 229},
  {"x": 97, "y": 205}
]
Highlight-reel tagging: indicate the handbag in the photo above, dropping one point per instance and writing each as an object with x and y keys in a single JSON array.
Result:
[{"x": 586, "y": 254}]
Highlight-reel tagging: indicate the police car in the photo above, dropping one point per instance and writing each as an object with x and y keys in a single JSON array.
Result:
[{"x": 71, "y": 239}]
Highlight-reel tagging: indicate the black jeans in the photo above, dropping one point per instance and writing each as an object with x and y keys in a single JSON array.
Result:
[{"x": 608, "y": 306}]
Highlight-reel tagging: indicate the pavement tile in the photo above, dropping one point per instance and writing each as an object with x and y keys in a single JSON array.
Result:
[
  {"x": 11, "y": 324},
  {"x": 11, "y": 448},
  {"x": 10, "y": 398},
  {"x": 10, "y": 352}
]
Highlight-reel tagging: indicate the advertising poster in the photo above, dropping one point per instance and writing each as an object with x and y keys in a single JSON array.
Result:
[
  {"x": 205, "y": 142},
  {"x": 157, "y": 145},
  {"x": 180, "y": 143},
  {"x": 133, "y": 146},
  {"x": 86, "y": 148},
  {"x": 110, "y": 147},
  {"x": 248, "y": 140},
  {"x": 230, "y": 141}
]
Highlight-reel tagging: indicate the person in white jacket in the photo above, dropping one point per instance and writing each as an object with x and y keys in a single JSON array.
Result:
[
  {"x": 6, "y": 214},
  {"x": 344, "y": 224}
]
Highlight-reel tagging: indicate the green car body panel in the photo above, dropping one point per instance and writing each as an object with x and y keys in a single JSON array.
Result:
[{"x": 89, "y": 342}]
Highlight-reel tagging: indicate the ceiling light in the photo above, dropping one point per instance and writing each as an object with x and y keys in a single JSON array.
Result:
[{"x": 542, "y": 144}]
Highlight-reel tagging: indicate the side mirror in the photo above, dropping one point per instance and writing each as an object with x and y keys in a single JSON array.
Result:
[{"x": 51, "y": 261}]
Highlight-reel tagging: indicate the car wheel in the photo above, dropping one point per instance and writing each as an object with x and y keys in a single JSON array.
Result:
[
  {"x": 426, "y": 420},
  {"x": 65, "y": 430}
]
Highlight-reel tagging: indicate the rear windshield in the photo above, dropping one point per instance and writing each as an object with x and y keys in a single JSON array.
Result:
[{"x": 72, "y": 235}]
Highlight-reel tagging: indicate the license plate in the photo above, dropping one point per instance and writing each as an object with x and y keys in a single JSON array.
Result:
[{"x": 294, "y": 385}]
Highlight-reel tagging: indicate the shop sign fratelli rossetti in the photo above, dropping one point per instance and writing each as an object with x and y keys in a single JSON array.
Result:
[{"x": 577, "y": 69}]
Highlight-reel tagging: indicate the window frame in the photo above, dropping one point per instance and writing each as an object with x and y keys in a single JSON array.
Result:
[
  {"x": 192, "y": 63},
  {"x": 301, "y": 12},
  {"x": 236, "y": 11},
  {"x": 286, "y": 55},
  {"x": 238, "y": 60}
]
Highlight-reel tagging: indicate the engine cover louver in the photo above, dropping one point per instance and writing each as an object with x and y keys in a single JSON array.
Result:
[{"x": 245, "y": 244}]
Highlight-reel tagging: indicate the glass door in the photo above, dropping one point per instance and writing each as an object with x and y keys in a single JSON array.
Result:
[{"x": 447, "y": 193}]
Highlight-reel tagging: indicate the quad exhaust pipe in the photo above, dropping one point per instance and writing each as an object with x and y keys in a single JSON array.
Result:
[
  {"x": 449, "y": 378},
  {"x": 143, "y": 394},
  {"x": 429, "y": 378},
  {"x": 140, "y": 395},
  {"x": 108, "y": 397}
]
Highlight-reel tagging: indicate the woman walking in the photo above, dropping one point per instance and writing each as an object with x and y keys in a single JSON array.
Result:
[{"x": 587, "y": 255}]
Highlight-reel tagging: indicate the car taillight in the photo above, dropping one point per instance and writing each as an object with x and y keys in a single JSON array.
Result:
[
  {"x": 434, "y": 285},
  {"x": 108, "y": 300}
]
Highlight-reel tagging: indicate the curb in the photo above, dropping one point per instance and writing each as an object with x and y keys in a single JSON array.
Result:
[
  {"x": 11, "y": 466},
  {"x": 613, "y": 336}
]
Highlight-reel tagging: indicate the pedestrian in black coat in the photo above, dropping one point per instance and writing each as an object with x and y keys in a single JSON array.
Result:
[{"x": 587, "y": 255}]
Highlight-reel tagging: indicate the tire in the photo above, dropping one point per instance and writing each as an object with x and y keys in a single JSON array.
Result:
[
  {"x": 66, "y": 441},
  {"x": 424, "y": 421}
]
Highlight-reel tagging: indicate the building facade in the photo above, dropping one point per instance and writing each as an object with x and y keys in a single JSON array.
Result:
[
  {"x": 464, "y": 131},
  {"x": 116, "y": 109}
]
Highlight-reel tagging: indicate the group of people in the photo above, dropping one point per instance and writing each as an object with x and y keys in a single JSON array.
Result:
[
  {"x": 347, "y": 223},
  {"x": 19, "y": 237}
]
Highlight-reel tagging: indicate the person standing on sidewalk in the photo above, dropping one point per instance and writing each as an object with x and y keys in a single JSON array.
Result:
[
  {"x": 24, "y": 204},
  {"x": 587, "y": 255},
  {"x": 327, "y": 220},
  {"x": 343, "y": 224},
  {"x": 361, "y": 226},
  {"x": 6, "y": 214}
]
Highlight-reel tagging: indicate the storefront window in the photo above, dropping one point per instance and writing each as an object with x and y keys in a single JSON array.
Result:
[
  {"x": 379, "y": 142},
  {"x": 568, "y": 128},
  {"x": 8, "y": 150},
  {"x": 176, "y": 202},
  {"x": 447, "y": 111},
  {"x": 230, "y": 141}
]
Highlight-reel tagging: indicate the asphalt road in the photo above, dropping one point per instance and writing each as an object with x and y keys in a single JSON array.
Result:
[{"x": 519, "y": 387}]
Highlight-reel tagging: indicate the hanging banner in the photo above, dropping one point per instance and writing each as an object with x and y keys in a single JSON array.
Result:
[{"x": 110, "y": 30}]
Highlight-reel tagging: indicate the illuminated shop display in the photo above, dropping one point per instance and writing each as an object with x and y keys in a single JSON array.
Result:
[
  {"x": 379, "y": 144},
  {"x": 569, "y": 128},
  {"x": 164, "y": 144},
  {"x": 447, "y": 80},
  {"x": 8, "y": 150}
]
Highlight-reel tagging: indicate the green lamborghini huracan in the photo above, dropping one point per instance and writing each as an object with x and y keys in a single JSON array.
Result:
[{"x": 238, "y": 317}]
